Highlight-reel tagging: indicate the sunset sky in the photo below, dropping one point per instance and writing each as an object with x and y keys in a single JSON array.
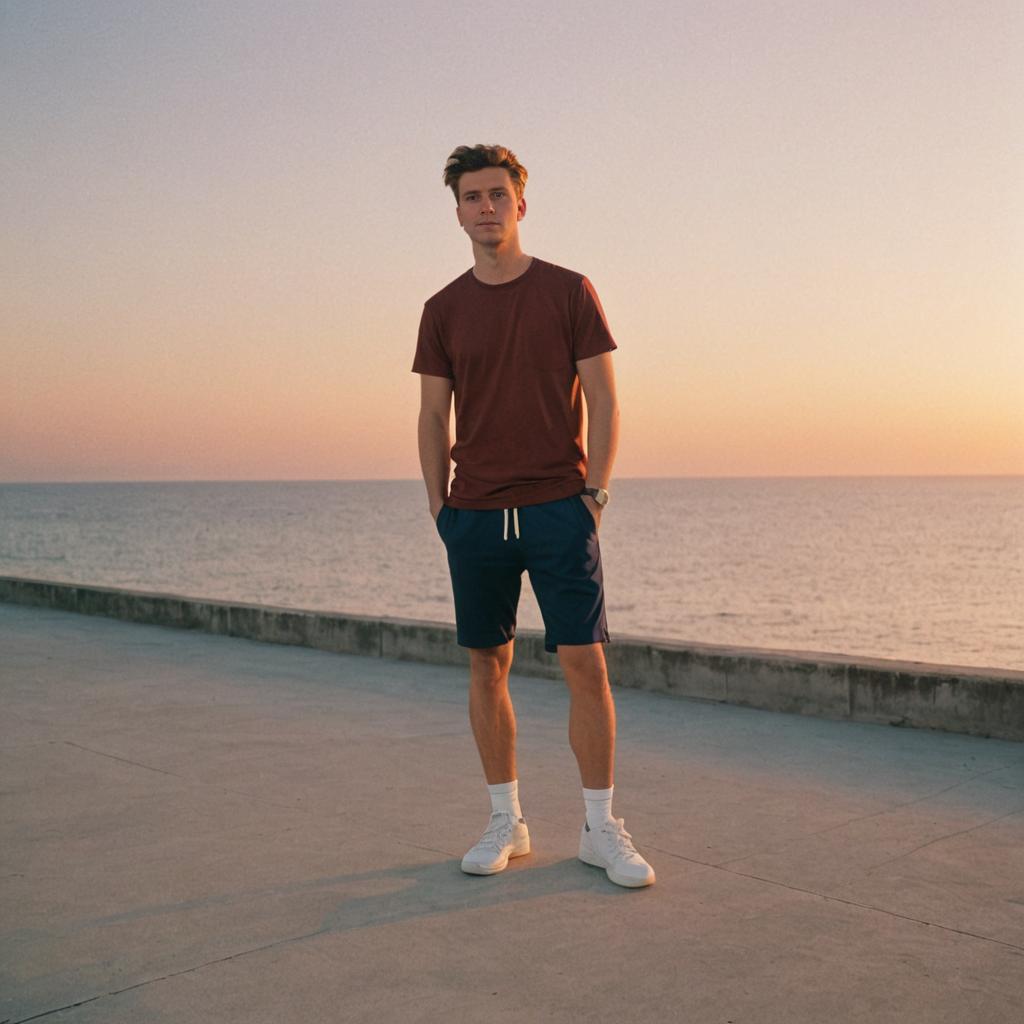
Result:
[{"x": 805, "y": 221}]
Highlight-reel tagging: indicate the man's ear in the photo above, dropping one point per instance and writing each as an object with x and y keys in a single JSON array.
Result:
[{"x": 522, "y": 208}]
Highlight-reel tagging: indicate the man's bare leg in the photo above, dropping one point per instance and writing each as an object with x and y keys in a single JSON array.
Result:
[
  {"x": 494, "y": 727},
  {"x": 591, "y": 712},
  {"x": 604, "y": 842},
  {"x": 490, "y": 711}
]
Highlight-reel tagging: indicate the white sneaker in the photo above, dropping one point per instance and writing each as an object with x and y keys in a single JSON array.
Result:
[
  {"x": 611, "y": 847},
  {"x": 506, "y": 836}
]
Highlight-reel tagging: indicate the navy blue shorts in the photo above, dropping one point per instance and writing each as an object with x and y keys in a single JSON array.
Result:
[{"x": 555, "y": 542}]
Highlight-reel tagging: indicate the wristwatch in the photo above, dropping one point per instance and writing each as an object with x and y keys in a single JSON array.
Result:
[{"x": 599, "y": 494}]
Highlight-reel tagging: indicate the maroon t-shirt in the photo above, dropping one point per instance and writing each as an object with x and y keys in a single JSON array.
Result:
[{"x": 511, "y": 350}]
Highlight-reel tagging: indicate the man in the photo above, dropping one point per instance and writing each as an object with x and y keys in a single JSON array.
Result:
[{"x": 514, "y": 338}]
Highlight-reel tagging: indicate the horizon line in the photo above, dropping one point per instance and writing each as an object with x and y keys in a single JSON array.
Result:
[{"x": 332, "y": 480}]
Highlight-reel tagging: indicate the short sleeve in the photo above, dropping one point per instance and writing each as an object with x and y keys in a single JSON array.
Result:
[
  {"x": 590, "y": 333},
  {"x": 431, "y": 357}
]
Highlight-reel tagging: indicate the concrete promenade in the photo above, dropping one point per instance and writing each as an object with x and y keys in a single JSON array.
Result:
[
  {"x": 985, "y": 702},
  {"x": 206, "y": 828}
]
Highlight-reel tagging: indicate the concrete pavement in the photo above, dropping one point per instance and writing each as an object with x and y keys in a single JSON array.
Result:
[{"x": 205, "y": 828}]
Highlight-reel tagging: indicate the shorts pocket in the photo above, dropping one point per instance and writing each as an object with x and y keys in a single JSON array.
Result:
[
  {"x": 588, "y": 517},
  {"x": 438, "y": 519}
]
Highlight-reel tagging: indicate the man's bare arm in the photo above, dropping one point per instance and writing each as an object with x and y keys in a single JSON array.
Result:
[
  {"x": 434, "y": 435},
  {"x": 597, "y": 377}
]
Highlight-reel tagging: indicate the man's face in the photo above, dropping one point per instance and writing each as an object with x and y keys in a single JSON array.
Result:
[{"x": 488, "y": 209}]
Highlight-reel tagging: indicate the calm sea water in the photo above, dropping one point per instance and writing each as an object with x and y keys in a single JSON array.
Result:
[{"x": 922, "y": 568}]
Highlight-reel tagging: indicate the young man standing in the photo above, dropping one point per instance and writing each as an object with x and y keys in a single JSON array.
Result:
[{"x": 514, "y": 338}]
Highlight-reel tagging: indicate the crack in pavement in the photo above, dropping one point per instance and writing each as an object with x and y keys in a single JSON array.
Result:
[
  {"x": 840, "y": 899},
  {"x": 258, "y": 798},
  {"x": 868, "y": 817},
  {"x": 950, "y": 835},
  {"x": 173, "y": 974},
  {"x": 124, "y": 760}
]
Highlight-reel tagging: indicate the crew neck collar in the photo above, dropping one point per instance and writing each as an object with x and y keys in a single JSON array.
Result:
[{"x": 504, "y": 284}]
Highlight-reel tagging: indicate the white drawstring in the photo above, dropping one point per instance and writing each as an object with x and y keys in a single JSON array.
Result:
[{"x": 515, "y": 520}]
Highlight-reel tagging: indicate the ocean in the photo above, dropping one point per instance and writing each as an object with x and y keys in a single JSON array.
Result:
[{"x": 919, "y": 568}]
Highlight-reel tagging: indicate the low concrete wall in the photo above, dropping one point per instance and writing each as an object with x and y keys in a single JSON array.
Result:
[{"x": 977, "y": 701}]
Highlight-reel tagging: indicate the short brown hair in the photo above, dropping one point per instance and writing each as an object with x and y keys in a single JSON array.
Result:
[{"x": 476, "y": 158}]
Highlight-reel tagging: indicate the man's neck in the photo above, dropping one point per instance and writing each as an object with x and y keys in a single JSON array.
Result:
[{"x": 496, "y": 266}]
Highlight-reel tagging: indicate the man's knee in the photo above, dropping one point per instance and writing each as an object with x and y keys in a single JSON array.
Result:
[
  {"x": 584, "y": 666},
  {"x": 490, "y": 665}
]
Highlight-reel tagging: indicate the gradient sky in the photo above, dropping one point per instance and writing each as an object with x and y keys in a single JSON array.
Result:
[{"x": 220, "y": 222}]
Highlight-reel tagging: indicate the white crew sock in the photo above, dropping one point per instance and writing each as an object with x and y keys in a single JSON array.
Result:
[
  {"x": 599, "y": 806},
  {"x": 505, "y": 797}
]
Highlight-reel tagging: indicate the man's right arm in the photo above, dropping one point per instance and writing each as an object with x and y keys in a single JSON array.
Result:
[{"x": 435, "y": 437}]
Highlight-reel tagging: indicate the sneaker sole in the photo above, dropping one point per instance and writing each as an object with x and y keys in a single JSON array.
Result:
[
  {"x": 479, "y": 869},
  {"x": 629, "y": 883}
]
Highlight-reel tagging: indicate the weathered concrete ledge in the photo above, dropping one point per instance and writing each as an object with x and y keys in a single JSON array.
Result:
[{"x": 976, "y": 701}]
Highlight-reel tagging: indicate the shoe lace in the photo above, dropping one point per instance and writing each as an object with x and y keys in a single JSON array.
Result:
[
  {"x": 620, "y": 837},
  {"x": 498, "y": 832}
]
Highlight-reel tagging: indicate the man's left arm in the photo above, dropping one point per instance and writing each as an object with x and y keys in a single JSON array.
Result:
[{"x": 597, "y": 378}]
